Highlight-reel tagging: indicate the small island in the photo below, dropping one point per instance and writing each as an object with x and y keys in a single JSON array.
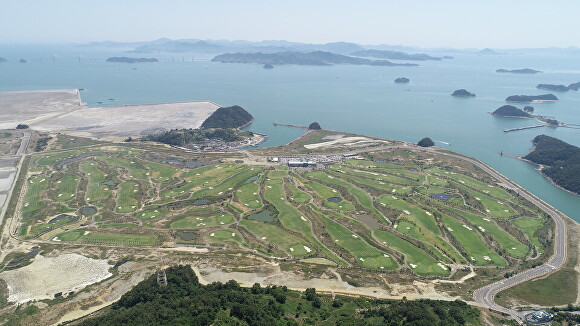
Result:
[
  {"x": 22, "y": 61},
  {"x": 314, "y": 126},
  {"x": 519, "y": 71},
  {"x": 131, "y": 60},
  {"x": 316, "y": 58},
  {"x": 511, "y": 111},
  {"x": 558, "y": 161},
  {"x": 553, "y": 88},
  {"x": 22, "y": 126},
  {"x": 529, "y": 109},
  {"x": 402, "y": 80},
  {"x": 268, "y": 66},
  {"x": 228, "y": 117},
  {"x": 3, "y": 59},
  {"x": 532, "y": 98},
  {"x": 426, "y": 142},
  {"x": 462, "y": 93}
]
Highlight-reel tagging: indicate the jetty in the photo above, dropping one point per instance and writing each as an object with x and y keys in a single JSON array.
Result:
[
  {"x": 523, "y": 128},
  {"x": 290, "y": 125}
]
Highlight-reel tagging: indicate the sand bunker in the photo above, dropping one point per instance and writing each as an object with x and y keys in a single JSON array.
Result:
[{"x": 47, "y": 276}]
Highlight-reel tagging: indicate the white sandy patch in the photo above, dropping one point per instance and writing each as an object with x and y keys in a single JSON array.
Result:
[
  {"x": 413, "y": 266},
  {"x": 303, "y": 218},
  {"x": 307, "y": 249},
  {"x": 47, "y": 276},
  {"x": 442, "y": 266},
  {"x": 481, "y": 229},
  {"x": 486, "y": 219},
  {"x": 345, "y": 141},
  {"x": 467, "y": 227},
  {"x": 406, "y": 212}
]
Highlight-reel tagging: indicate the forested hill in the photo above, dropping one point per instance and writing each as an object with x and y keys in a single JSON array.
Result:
[
  {"x": 183, "y": 301},
  {"x": 228, "y": 117},
  {"x": 561, "y": 159}
]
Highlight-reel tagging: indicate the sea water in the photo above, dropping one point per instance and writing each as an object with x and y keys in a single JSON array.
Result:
[{"x": 357, "y": 99}]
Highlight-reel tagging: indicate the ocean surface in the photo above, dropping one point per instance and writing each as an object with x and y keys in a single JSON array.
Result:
[{"x": 357, "y": 99}]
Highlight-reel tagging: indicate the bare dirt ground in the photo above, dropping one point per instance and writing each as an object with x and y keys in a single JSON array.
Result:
[
  {"x": 47, "y": 276},
  {"x": 63, "y": 111},
  {"x": 346, "y": 142}
]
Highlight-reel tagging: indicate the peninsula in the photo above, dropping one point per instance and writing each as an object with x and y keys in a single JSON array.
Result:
[
  {"x": 131, "y": 60},
  {"x": 558, "y": 161},
  {"x": 316, "y": 58},
  {"x": 395, "y": 55},
  {"x": 519, "y": 71},
  {"x": 462, "y": 93},
  {"x": 532, "y": 98},
  {"x": 511, "y": 111}
]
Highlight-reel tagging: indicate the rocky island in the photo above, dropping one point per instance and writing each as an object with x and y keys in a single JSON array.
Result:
[
  {"x": 574, "y": 86},
  {"x": 268, "y": 66},
  {"x": 228, "y": 117},
  {"x": 519, "y": 71},
  {"x": 553, "y": 88},
  {"x": 3, "y": 59},
  {"x": 22, "y": 61},
  {"x": 532, "y": 98},
  {"x": 462, "y": 93},
  {"x": 558, "y": 161},
  {"x": 396, "y": 55},
  {"x": 511, "y": 111},
  {"x": 426, "y": 142},
  {"x": 402, "y": 80},
  {"x": 131, "y": 60},
  {"x": 316, "y": 58}
]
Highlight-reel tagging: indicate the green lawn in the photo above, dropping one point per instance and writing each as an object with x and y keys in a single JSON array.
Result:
[
  {"x": 388, "y": 178},
  {"x": 476, "y": 250},
  {"x": 298, "y": 196},
  {"x": 530, "y": 226},
  {"x": 133, "y": 165},
  {"x": 228, "y": 184},
  {"x": 424, "y": 217},
  {"x": 204, "y": 177},
  {"x": 249, "y": 196},
  {"x": 489, "y": 189},
  {"x": 202, "y": 220},
  {"x": 35, "y": 188},
  {"x": 160, "y": 172},
  {"x": 66, "y": 187},
  {"x": 110, "y": 238},
  {"x": 325, "y": 192},
  {"x": 272, "y": 234},
  {"x": 365, "y": 254},
  {"x": 127, "y": 201},
  {"x": 96, "y": 192},
  {"x": 418, "y": 260},
  {"x": 225, "y": 235}
]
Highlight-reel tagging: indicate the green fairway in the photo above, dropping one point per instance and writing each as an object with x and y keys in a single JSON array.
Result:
[
  {"x": 493, "y": 207},
  {"x": 96, "y": 191},
  {"x": 160, "y": 172},
  {"x": 225, "y": 235},
  {"x": 134, "y": 168},
  {"x": 228, "y": 184},
  {"x": 468, "y": 181},
  {"x": 298, "y": 196},
  {"x": 418, "y": 260},
  {"x": 505, "y": 240},
  {"x": 277, "y": 174},
  {"x": 127, "y": 195},
  {"x": 424, "y": 217},
  {"x": 477, "y": 251},
  {"x": 418, "y": 232},
  {"x": 204, "y": 177},
  {"x": 361, "y": 196},
  {"x": 151, "y": 213},
  {"x": 272, "y": 234},
  {"x": 108, "y": 238},
  {"x": 202, "y": 220},
  {"x": 66, "y": 187},
  {"x": 375, "y": 176},
  {"x": 249, "y": 196},
  {"x": 325, "y": 193},
  {"x": 35, "y": 188},
  {"x": 530, "y": 226},
  {"x": 365, "y": 254}
]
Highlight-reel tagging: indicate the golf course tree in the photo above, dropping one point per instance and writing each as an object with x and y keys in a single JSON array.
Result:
[
  {"x": 426, "y": 142},
  {"x": 314, "y": 126}
]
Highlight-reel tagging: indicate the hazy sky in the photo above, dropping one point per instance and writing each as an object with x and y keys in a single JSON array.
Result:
[{"x": 425, "y": 23}]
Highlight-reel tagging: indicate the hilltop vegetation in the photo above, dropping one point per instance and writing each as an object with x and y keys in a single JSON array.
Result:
[
  {"x": 316, "y": 58},
  {"x": 511, "y": 111},
  {"x": 531, "y": 98},
  {"x": 519, "y": 71},
  {"x": 396, "y": 55},
  {"x": 228, "y": 117},
  {"x": 561, "y": 161},
  {"x": 181, "y": 137},
  {"x": 184, "y": 301}
]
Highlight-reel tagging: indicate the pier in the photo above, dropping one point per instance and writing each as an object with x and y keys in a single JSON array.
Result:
[
  {"x": 290, "y": 125},
  {"x": 523, "y": 128}
]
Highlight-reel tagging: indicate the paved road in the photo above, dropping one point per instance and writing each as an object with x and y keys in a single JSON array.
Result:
[{"x": 24, "y": 143}]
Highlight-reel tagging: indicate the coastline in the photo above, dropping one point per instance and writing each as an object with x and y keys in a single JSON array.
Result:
[{"x": 539, "y": 168}]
